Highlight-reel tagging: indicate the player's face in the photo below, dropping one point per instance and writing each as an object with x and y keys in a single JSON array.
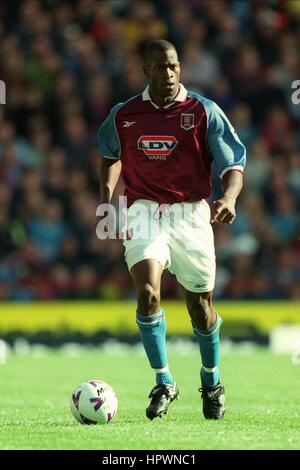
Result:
[{"x": 163, "y": 73}]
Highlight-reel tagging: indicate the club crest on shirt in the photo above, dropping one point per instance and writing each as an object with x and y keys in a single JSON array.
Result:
[{"x": 187, "y": 121}]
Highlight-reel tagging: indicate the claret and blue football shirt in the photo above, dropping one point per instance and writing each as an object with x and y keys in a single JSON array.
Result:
[{"x": 166, "y": 152}]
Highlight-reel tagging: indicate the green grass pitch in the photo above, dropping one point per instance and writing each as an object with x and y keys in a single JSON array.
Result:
[{"x": 262, "y": 394}]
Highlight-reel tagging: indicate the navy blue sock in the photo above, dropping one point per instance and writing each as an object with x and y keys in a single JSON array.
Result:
[
  {"x": 209, "y": 344},
  {"x": 153, "y": 333}
]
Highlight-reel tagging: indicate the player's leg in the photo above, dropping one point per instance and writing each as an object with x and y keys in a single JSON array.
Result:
[
  {"x": 193, "y": 263},
  {"x": 151, "y": 321},
  {"x": 146, "y": 257},
  {"x": 150, "y": 316},
  {"x": 206, "y": 325}
]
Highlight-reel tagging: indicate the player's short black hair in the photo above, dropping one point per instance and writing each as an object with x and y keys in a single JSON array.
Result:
[{"x": 160, "y": 45}]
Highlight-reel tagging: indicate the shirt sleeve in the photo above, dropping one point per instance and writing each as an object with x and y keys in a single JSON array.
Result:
[
  {"x": 227, "y": 150},
  {"x": 108, "y": 138}
]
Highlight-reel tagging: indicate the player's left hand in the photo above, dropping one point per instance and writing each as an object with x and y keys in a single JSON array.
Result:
[{"x": 223, "y": 211}]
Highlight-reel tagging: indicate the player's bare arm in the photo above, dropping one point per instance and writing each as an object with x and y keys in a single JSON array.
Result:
[
  {"x": 109, "y": 175},
  {"x": 223, "y": 210}
]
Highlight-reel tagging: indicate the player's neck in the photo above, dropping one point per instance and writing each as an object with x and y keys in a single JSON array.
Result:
[{"x": 163, "y": 100}]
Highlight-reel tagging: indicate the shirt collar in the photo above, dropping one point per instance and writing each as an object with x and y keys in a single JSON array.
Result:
[{"x": 181, "y": 96}]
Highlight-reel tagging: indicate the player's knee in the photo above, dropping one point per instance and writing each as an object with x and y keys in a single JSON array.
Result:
[{"x": 148, "y": 299}]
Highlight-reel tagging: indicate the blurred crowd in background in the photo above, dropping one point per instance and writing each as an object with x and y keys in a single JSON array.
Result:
[{"x": 66, "y": 63}]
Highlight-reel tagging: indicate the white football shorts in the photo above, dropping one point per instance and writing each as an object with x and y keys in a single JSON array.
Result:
[{"x": 179, "y": 236}]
